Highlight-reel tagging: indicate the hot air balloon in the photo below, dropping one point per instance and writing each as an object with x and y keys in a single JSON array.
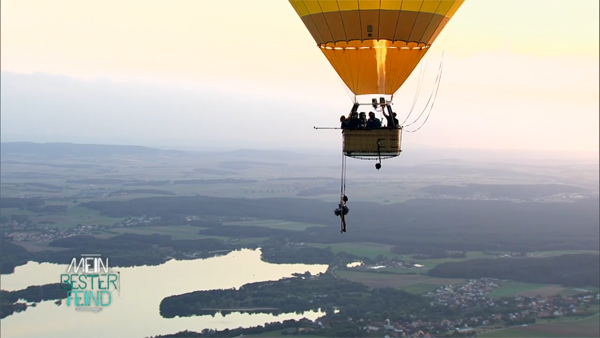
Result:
[{"x": 374, "y": 46}]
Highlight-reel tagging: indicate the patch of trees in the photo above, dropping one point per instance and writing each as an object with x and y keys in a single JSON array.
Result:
[
  {"x": 283, "y": 326},
  {"x": 132, "y": 249},
  {"x": 577, "y": 270},
  {"x": 141, "y": 191},
  {"x": 276, "y": 250},
  {"x": 413, "y": 227},
  {"x": 317, "y": 191},
  {"x": 204, "y": 224},
  {"x": 436, "y": 254},
  {"x": 30, "y": 175},
  {"x": 21, "y": 203},
  {"x": 298, "y": 294},
  {"x": 43, "y": 185},
  {"x": 37, "y": 293},
  {"x": 177, "y": 220},
  {"x": 218, "y": 172},
  {"x": 15, "y": 218},
  {"x": 147, "y": 183},
  {"x": 12, "y": 255},
  {"x": 292, "y": 209},
  {"x": 100, "y": 181},
  {"x": 8, "y": 308},
  {"x": 215, "y": 181},
  {"x": 503, "y": 190},
  {"x": 33, "y": 294},
  {"x": 48, "y": 209},
  {"x": 246, "y": 231}
]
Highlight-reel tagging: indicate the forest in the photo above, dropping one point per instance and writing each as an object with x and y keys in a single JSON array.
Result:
[
  {"x": 300, "y": 294},
  {"x": 124, "y": 250},
  {"x": 9, "y": 300},
  {"x": 412, "y": 226},
  {"x": 278, "y": 250},
  {"x": 284, "y": 328},
  {"x": 12, "y": 255},
  {"x": 579, "y": 270}
]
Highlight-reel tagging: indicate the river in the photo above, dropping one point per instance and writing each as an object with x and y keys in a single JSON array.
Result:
[{"x": 135, "y": 311}]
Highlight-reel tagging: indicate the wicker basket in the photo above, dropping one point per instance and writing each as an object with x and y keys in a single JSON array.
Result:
[{"x": 364, "y": 142}]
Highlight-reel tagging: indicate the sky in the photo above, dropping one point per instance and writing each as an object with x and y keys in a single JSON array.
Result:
[{"x": 518, "y": 74}]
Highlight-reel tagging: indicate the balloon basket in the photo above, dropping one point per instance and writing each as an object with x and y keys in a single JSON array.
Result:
[{"x": 372, "y": 144}]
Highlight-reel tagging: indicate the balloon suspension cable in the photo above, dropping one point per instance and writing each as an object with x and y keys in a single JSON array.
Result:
[
  {"x": 349, "y": 92},
  {"x": 418, "y": 91},
  {"x": 433, "y": 95}
]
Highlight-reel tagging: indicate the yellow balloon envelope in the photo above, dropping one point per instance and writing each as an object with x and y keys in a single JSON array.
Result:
[{"x": 374, "y": 45}]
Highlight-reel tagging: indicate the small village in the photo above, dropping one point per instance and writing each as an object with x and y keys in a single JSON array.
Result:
[
  {"x": 525, "y": 310},
  {"x": 26, "y": 231}
]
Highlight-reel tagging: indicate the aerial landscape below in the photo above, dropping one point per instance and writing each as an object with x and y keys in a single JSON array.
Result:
[{"x": 442, "y": 255}]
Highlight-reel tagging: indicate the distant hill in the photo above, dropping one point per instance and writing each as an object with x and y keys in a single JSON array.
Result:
[
  {"x": 504, "y": 190},
  {"x": 274, "y": 154},
  {"x": 82, "y": 150}
]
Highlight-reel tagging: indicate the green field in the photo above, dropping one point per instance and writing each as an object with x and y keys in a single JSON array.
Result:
[
  {"x": 512, "y": 289},
  {"x": 419, "y": 288},
  {"x": 517, "y": 333},
  {"x": 177, "y": 232},
  {"x": 73, "y": 216},
  {"x": 76, "y": 215},
  {"x": 429, "y": 264},
  {"x": 409, "y": 283},
  {"x": 372, "y": 250},
  {"x": 586, "y": 327},
  {"x": 362, "y": 249},
  {"x": 561, "y": 252},
  {"x": 575, "y": 291},
  {"x": 15, "y": 211},
  {"x": 276, "y": 224}
]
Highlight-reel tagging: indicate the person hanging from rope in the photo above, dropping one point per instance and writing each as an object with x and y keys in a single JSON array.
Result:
[{"x": 342, "y": 211}]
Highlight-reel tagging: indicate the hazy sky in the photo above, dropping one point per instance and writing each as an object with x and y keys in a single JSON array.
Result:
[{"x": 518, "y": 74}]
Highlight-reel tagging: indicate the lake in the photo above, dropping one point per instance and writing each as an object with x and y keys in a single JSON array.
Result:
[{"x": 135, "y": 312}]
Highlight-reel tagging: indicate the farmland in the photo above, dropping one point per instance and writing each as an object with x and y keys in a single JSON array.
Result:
[
  {"x": 414, "y": 283},
  {"x": 275, "y": 224},
  {"x": 586, "y": 327},
  {"x": 512, "y": 289},
  {"x": 361, "y": 249}
]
